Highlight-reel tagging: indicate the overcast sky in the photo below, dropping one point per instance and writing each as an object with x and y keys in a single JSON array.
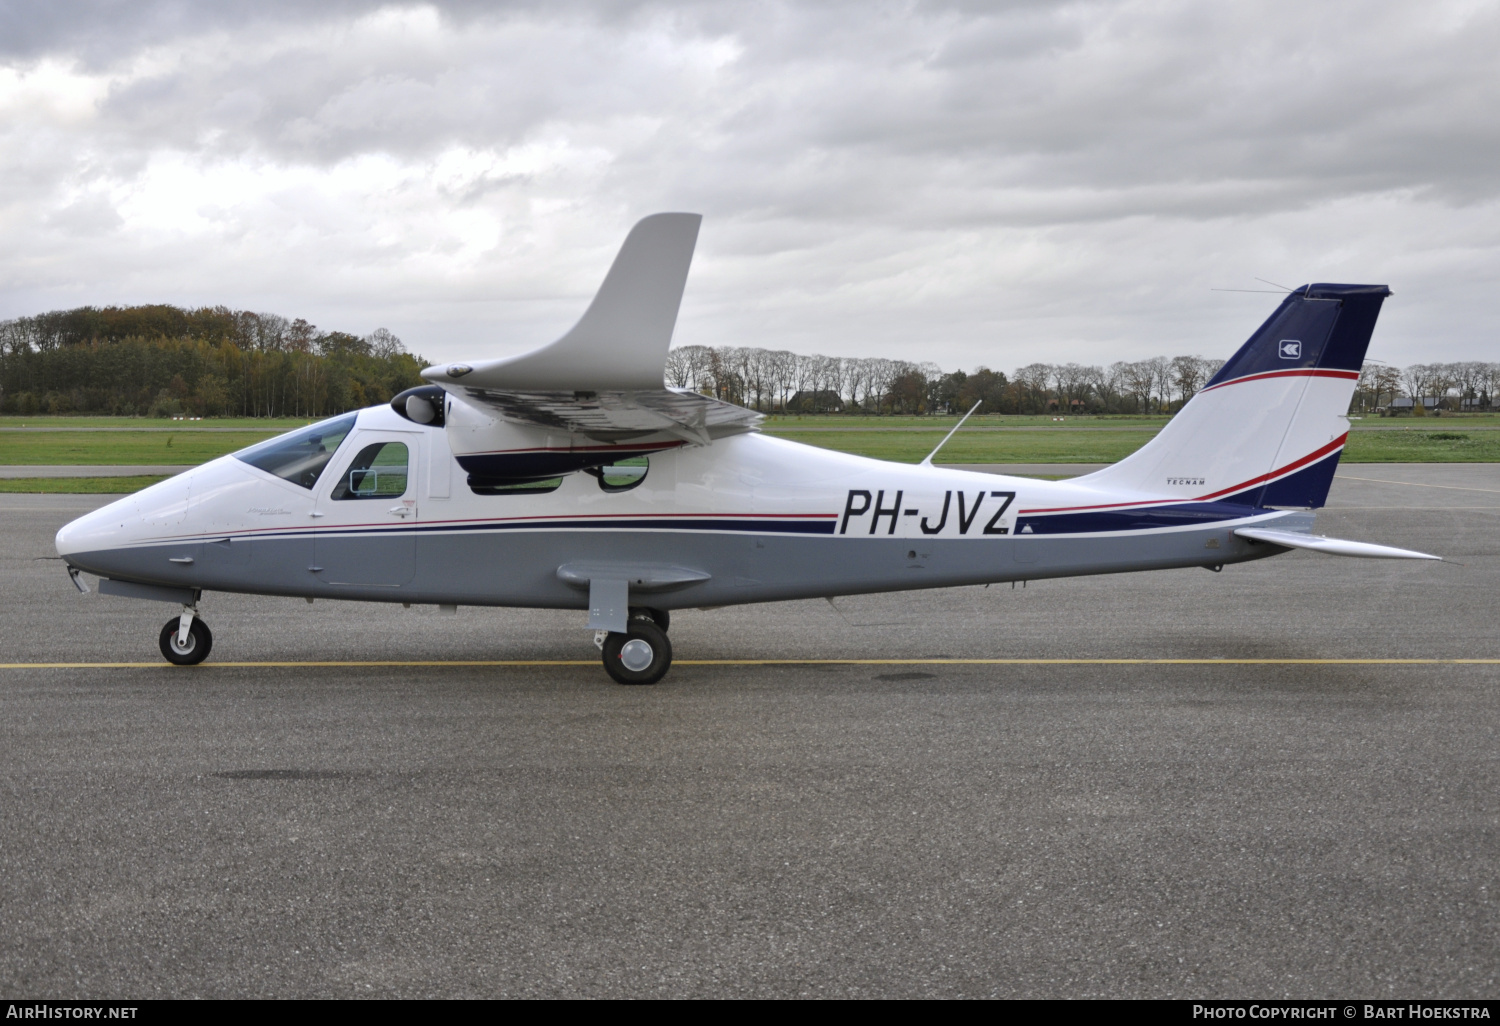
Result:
[{"x": 967, "y": 183}]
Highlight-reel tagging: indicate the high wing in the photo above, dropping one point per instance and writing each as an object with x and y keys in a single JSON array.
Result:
[
  {"x": 615, "y": 416},
  {"x": 603, "y": 378}
]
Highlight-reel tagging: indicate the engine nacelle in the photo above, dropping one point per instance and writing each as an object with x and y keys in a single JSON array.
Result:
[{"x": 425, "y": 404}]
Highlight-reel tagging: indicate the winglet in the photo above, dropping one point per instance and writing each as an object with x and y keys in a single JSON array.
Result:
[{"x": 621, "y": 342}]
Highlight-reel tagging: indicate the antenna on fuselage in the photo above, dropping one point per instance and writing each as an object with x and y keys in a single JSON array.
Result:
[{"x": 928, "y": 461}]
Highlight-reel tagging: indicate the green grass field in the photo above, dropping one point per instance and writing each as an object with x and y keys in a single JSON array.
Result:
[
  {"x": 139, "y": 441},
  {"x": 1106, "y": 440},
  {"x": 978, "y": 422},
  {"x": 75, "y": 485},
  {"x": 1430, "y": 443},
  {"x": 269, "y": 425},
  {"x": 981, "y": 446},
  {"x": 115, "y": 448}
]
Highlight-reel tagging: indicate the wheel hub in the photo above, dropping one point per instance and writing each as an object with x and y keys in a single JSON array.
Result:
[{"x": 636, "y": 655}]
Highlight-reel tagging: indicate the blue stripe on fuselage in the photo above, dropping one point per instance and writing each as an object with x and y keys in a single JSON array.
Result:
[{"x": 1104, "y": 521}]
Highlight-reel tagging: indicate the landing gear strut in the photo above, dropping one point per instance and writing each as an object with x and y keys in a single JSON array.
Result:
[
  {"x": 641, "y": 655},
  {"x": 186, "y": 640},
  {"x": 660, "y": 617}
]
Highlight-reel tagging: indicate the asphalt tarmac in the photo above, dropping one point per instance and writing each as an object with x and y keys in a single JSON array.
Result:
[{"x": 1216, "y": 829}]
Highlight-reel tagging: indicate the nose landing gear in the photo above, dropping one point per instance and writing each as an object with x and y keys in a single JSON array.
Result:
[
  {"x": 642, "y": 654},
  {"x": 186, "y": 640}
]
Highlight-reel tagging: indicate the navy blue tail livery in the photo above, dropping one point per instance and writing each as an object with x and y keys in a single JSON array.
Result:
[{"x": 1316, "y": 328}]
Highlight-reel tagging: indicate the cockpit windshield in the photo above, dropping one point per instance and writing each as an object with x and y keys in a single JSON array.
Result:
[{"x": 299, "y": 457}]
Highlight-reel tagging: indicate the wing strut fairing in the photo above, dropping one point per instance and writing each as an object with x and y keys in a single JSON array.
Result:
[{"x": 596, "y": 395}]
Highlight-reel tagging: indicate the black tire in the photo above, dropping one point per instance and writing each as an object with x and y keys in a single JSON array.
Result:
[
  {"x": 200, "y": 643},
  {"x": 660, "y": 617},
  {"x": 618, "y": 659}
]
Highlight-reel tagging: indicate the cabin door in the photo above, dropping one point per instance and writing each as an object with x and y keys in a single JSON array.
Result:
[{"x": 367, "y": 529}]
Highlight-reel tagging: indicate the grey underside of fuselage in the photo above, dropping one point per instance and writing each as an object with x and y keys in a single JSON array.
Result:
[{"x": 519, "y": 568}]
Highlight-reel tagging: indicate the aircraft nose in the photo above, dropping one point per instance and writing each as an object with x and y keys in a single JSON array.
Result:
[
  {"x": 94, "y": 532},
  {"x": 66, "y": 541},
  {"x": 70, "y": 537}
]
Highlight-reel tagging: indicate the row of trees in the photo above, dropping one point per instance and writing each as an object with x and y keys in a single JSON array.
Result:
[
  {"x": 1466, "y": 385},
  {"x": 779, "y": 381},
  {"x": 164, "y": 361},
  {"x": 776, "y": 380}
]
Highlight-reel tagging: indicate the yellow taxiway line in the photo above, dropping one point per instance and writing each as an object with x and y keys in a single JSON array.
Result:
[{"x": 395, "y": 663}]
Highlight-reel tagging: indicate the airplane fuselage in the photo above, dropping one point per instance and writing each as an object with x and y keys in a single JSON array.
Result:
[{"x": 751, "y": 519}]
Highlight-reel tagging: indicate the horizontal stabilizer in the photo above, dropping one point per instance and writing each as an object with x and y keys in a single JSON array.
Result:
[{"x": 1332, "y": 546}]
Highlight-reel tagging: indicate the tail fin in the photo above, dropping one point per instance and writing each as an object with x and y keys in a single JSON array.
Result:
[
  {"x": 1268, "y": 429},
  {"x": 621, "y": 342}
]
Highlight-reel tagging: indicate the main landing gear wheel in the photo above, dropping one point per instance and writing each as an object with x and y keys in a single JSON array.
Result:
[
  {"x": 642, "y": 655},
  {"x": 200, "y": 640}
]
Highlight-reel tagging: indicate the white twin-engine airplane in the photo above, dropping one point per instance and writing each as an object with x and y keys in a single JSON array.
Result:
[{"x": 570, "y": 478}]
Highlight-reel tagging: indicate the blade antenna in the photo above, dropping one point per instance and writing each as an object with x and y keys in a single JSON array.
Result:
[{"x": 928, "y": 461}]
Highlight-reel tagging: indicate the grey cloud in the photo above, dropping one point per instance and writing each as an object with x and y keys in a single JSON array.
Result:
[
  {"x": 1128, "y": 102},
  {"x": 90, "y": 217},
  {"x": 956, "y": 173},
  {"x": 101, "y": 32}
]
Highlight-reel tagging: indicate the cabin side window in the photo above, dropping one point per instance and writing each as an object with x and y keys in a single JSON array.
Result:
[
  {"x": 380, "y": 471},
  {"x": 300, "y": 456},
  {"x": 493, "y": 486}
]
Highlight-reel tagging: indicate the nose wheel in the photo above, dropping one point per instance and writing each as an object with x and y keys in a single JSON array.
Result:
[
  {"x": 189, "y": 647},
  {"x": 640, "y": 655}
]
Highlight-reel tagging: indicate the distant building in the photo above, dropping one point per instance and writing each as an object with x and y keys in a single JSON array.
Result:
[
  {"x": 823, "y": 401},
  {"x": 1403, "y": 404}
]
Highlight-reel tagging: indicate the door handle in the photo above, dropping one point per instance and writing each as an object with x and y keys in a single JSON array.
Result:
[{"x": 400, "y": 511}]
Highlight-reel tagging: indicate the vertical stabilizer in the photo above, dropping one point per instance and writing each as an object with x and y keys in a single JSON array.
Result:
[{"x": 1268, "y": 429}]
